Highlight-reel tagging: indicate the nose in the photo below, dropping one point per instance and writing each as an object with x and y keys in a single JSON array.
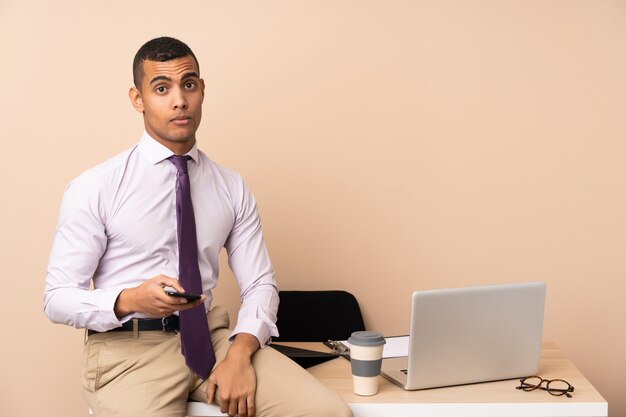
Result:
[{"x": 179, "y": 99}]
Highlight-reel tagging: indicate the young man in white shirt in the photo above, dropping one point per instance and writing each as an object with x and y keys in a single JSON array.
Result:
[{"x": 117, "y": 230}]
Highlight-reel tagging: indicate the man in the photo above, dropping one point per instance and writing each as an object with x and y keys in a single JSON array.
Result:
[{"x": 124, "y": 228}]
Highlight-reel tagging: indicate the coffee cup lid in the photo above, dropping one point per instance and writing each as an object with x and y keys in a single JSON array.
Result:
[{"x": 366, "y": 338}]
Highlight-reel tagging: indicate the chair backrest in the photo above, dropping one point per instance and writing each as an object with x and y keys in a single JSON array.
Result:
[{"x": 316, "y": 316}]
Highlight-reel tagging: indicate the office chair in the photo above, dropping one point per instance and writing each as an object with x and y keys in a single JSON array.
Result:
[{"x": 316, "y": 316}]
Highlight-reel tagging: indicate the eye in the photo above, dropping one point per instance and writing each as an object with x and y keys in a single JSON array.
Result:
[
  {"x": 189, "y": 85},
  {"x": 160, "y": 90}
]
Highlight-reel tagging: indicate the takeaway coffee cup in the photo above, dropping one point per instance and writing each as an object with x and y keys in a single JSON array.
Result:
[{"x": 366, "y": 356}]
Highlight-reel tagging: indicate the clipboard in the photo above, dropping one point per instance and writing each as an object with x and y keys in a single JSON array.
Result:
[{"x": 304, "y": 357}]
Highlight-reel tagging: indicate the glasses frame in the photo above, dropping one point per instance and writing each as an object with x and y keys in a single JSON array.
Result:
[{"x": 557, "y": 392}]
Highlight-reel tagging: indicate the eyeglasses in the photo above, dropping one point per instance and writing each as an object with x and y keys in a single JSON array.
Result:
[{"x": 555, "y": 387}]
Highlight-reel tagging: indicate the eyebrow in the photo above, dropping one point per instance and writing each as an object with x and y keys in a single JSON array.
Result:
[{"x": 192, "y": 74}]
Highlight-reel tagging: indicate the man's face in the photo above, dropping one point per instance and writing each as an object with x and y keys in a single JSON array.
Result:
[{"x": 170, "y": 99}]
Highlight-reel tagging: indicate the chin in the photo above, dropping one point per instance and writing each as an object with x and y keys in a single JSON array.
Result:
[{"x": 180, "y": 138}]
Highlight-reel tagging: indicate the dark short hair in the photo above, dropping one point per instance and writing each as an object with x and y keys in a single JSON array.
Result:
[{"x": 159, "y": 49}]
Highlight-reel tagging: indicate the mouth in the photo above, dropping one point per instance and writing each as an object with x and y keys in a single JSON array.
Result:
[{"x": 181, "y": 120}]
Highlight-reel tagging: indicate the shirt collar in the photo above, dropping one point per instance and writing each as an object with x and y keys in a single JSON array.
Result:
[{"x": 154, "y": 152}]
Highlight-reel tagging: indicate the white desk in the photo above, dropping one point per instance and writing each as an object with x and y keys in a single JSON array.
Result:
[{"x": 494, "y": 399}]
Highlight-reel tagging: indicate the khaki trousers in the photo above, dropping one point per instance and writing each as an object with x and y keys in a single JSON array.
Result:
[{"x": 144, "y": 374}]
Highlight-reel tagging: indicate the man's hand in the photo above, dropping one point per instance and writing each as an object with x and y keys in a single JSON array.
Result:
[
  {"x": 235, "y": 378},
  {"x": 150, "y": 298}
]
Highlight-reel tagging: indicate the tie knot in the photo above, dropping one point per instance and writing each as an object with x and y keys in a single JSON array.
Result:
[{"x": 180, "y": 162}]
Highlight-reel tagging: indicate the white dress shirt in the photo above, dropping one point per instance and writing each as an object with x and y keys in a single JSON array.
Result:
[{"x": 117, "y": 228}]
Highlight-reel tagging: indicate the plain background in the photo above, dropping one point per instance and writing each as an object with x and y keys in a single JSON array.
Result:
[{"x": 391, "y": 145}]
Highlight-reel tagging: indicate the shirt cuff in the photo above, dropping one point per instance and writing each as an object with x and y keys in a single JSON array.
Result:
[
  {"x": 257, "y": 328},
  {"x": 107, "y": 320}
]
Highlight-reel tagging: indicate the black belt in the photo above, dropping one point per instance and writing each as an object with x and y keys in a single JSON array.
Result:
[{"x": 166, "y": 324}]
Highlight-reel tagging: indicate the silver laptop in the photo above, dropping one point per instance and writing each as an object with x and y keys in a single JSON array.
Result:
[{"x": 468, "y": 335}]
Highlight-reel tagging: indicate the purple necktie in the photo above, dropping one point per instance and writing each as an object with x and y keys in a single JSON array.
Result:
[{"x": 196, "y": 343}]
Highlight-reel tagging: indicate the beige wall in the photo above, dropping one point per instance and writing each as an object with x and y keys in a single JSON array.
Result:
[{"x": 392, "y": 145}]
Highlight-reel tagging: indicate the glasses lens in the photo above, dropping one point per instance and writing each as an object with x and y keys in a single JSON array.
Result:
[
  {"x": 558, "y": 387},
  {"x": 530, "y": 383}
]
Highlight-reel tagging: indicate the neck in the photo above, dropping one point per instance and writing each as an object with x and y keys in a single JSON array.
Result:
[{"x": 178, "y": 147}]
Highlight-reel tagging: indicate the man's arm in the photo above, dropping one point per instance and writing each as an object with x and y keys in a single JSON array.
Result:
[
  {"x": 79, "y": 243},
  {"x": 248, "y": 259}
]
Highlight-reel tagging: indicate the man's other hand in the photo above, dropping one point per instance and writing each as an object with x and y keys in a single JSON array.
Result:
[
  {"x": 235, "y": 378},
  {"x": 150, "y": 299}
]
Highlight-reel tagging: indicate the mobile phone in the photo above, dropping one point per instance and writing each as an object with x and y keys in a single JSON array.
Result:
[{"x": 186, "y": 295}]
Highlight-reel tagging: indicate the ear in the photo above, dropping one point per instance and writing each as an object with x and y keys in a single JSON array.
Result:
[
  {"x": 202, "y": 87},
  {"x": 135, "y": 99}
]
